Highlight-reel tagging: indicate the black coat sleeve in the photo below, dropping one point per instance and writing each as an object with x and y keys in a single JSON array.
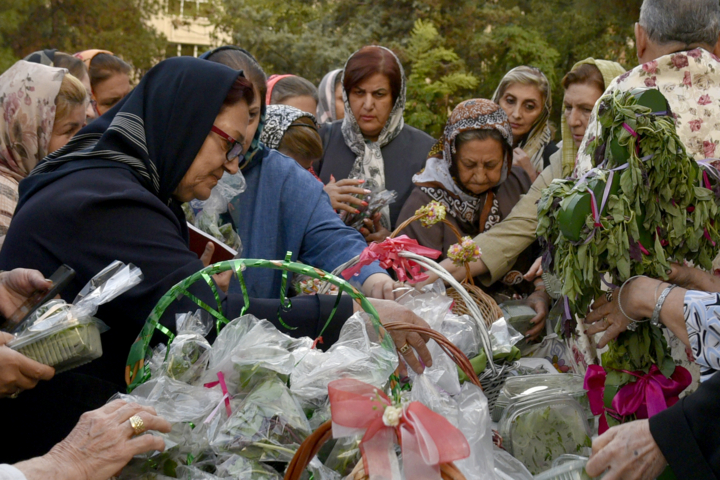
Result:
[{"x": 688, "y": 433}]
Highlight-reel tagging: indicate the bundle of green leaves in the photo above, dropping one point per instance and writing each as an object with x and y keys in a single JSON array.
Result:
[{"x": 661, "y": 212}]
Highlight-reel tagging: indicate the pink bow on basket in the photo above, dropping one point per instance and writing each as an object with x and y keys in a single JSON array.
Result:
[
  {"x": 427, "y": 439},
  {"x": 388, "y": 254}
]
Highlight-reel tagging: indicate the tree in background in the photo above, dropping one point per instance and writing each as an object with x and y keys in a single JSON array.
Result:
[
  {"x": 436, "y": 82},
  {"x": 75, "y": 25}
]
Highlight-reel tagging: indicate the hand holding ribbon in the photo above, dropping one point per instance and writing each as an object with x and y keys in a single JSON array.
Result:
[
  {"x": 427, "y": 438},
  {"x": 388, "y": 254}
]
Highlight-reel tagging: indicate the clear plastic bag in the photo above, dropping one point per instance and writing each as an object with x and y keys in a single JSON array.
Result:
[
  {"x": 508, "y": 467},
  {"x": 249, "y": 350},
  {"x": 376, "y": 201},
  {"x": 189, "y": 352},
  {"x": 463, "y": 332},
  {"x": 238, "y": 467},
  {"x": 356, "y": 354},
  {"x": 503, "y": 336},
  {"x": 65, "y": 336},
  {"x": 270, "y": 425},
  {"x": 205, "y": 215},
  {"x": 176, "y": 401}
]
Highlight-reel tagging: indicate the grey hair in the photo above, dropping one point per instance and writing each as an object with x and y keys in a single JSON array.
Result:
[{"x": 682, "y": 21}]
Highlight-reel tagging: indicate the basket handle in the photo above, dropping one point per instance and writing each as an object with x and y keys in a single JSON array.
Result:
[
  {"x": 137, "y": 372},
  {"x": 468, "y": 275}
]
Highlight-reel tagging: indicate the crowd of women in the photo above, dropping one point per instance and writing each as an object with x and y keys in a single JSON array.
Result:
[{"x": 93, "y": 170}]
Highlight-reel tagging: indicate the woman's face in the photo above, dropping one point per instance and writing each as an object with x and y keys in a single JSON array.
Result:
[
  {"x": 479, "y": 164},
  {"x": 523, "y": 104},
  {"x": 66, "y": 128},
  {"x": 109, "y": 92},
  {"x": 253, "y": 120},
  {"x": 371, "y": 103},
  {"x": 211, "y": 162},
  {"x": 578, "y": 104},
  {"x": 304, "y": 103},
  {"x": 339, "y": 103}
]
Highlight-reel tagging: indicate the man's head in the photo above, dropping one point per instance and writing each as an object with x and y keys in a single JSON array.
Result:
[{"x": 668, "y": 26}]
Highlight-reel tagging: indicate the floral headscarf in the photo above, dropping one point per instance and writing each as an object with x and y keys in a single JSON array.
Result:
[
  {"x": 369, "y": 164},
  {"x": 436, "y": 178},
  {"x": 278, "y": 119},
  {"x": 27, "y": 104},
  {"x": 540, "y": 134},
  {"x": 326, "y": 98}
]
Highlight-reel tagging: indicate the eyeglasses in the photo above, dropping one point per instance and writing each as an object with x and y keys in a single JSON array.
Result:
[{"x": 236, "y": 148}]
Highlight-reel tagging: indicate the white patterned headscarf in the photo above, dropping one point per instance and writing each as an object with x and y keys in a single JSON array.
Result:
[
  {"x": 369, "y": 164},
  {"x": 326, "y": 98},
  {"x": 278, "y": 119}
]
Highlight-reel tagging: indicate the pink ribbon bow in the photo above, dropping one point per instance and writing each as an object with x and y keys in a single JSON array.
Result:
[
  {"x": 649, "y": 395},
  {"x": 427, "y": 439},
  {"x": 388, "y": 254}
]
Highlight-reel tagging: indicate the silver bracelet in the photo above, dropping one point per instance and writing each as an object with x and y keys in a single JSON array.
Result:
[
  {"x": 655, "y": 319},
  {"x": 633, "y": 323}
]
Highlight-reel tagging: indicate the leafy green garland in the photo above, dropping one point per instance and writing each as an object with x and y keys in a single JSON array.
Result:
[{"x": 660, "y": 212}]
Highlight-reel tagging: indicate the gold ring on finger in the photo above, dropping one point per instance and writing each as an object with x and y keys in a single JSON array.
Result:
[
  {"x": 609, "y": 296},
  {"x": 15, "y": 395},
  {"x": 137, "y": 424},
  {"x": 405, "y": 348}
]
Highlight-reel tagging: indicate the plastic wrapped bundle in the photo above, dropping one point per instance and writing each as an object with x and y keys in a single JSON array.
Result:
[
  {"x": 65, "y": 336},
  {"x": 269, "y": 425}
]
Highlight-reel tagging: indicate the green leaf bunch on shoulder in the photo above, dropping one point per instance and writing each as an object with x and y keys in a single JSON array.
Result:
[{"x": 658, "y": 211}]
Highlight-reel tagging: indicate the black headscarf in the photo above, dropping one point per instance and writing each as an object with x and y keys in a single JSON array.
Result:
[{"x": 155, "y": 131}]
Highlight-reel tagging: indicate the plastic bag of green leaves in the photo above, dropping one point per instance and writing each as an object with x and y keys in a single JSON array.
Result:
[
  {"x": 269, "y": 425},
  {"x": 189, "y": 352}
]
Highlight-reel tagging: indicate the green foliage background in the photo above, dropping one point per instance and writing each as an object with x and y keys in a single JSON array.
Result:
[{"x": 451, "y": 49}]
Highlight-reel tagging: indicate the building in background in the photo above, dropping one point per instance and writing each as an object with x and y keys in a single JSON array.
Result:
[{"x": 186, "y": 26}]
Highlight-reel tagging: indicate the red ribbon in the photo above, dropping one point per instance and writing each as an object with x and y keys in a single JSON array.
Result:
[
  {"x": 388, "y": 254},
  {"x": 427, "y": 438},
  {"x": 649, "y": 395}
]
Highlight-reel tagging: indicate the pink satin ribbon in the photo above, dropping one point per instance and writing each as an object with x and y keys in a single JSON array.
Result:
[
  {"x": 649, "y": 395},
  {"x": 388, "y": 254},
  {"x": 221, "y": 381},
  {"x": 427, "y": 439}
]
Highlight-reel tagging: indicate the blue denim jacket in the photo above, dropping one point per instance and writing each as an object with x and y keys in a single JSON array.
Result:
[{"x": 284, "y": 208}]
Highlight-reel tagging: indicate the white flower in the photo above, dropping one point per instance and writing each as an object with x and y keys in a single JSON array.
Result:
[{"x": 391, "y": 416}]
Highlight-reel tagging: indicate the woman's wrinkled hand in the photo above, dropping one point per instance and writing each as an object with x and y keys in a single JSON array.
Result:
[
  {"x": 381, "y": 286},
  {"x": 539, "y": 301},
  {"x": 103, "y": 441},
  {"x": 607, "y": 317},
  {"x": 626, "y": 452},
  {"x": 18, "y": 372},
  {"x": 342, "y": 194},
  {"x": 390, "y": 311},
  {"x": 373, "y": 231},
  {"x": 691, "y": 278},
  {"x": 522, "y": 160},
  {"x": 17, "y": 285}
]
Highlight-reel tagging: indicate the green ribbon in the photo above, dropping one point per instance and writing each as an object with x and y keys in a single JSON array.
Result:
[{"x": 137, "y": 370}]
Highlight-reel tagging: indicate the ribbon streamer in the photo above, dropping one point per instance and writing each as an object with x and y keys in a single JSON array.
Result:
[
  {"x": 221, "y": 381},
  {"x": 427, "y": 438},
  {"x": 388, "y": 254}
]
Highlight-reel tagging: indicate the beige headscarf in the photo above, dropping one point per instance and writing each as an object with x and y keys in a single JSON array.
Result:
[{"x": 609, "y": 71}]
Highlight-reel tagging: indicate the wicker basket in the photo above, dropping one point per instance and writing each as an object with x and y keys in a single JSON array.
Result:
[
  {"x": 487, "y": 305},
  {"x": 312, "y": 444}
]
